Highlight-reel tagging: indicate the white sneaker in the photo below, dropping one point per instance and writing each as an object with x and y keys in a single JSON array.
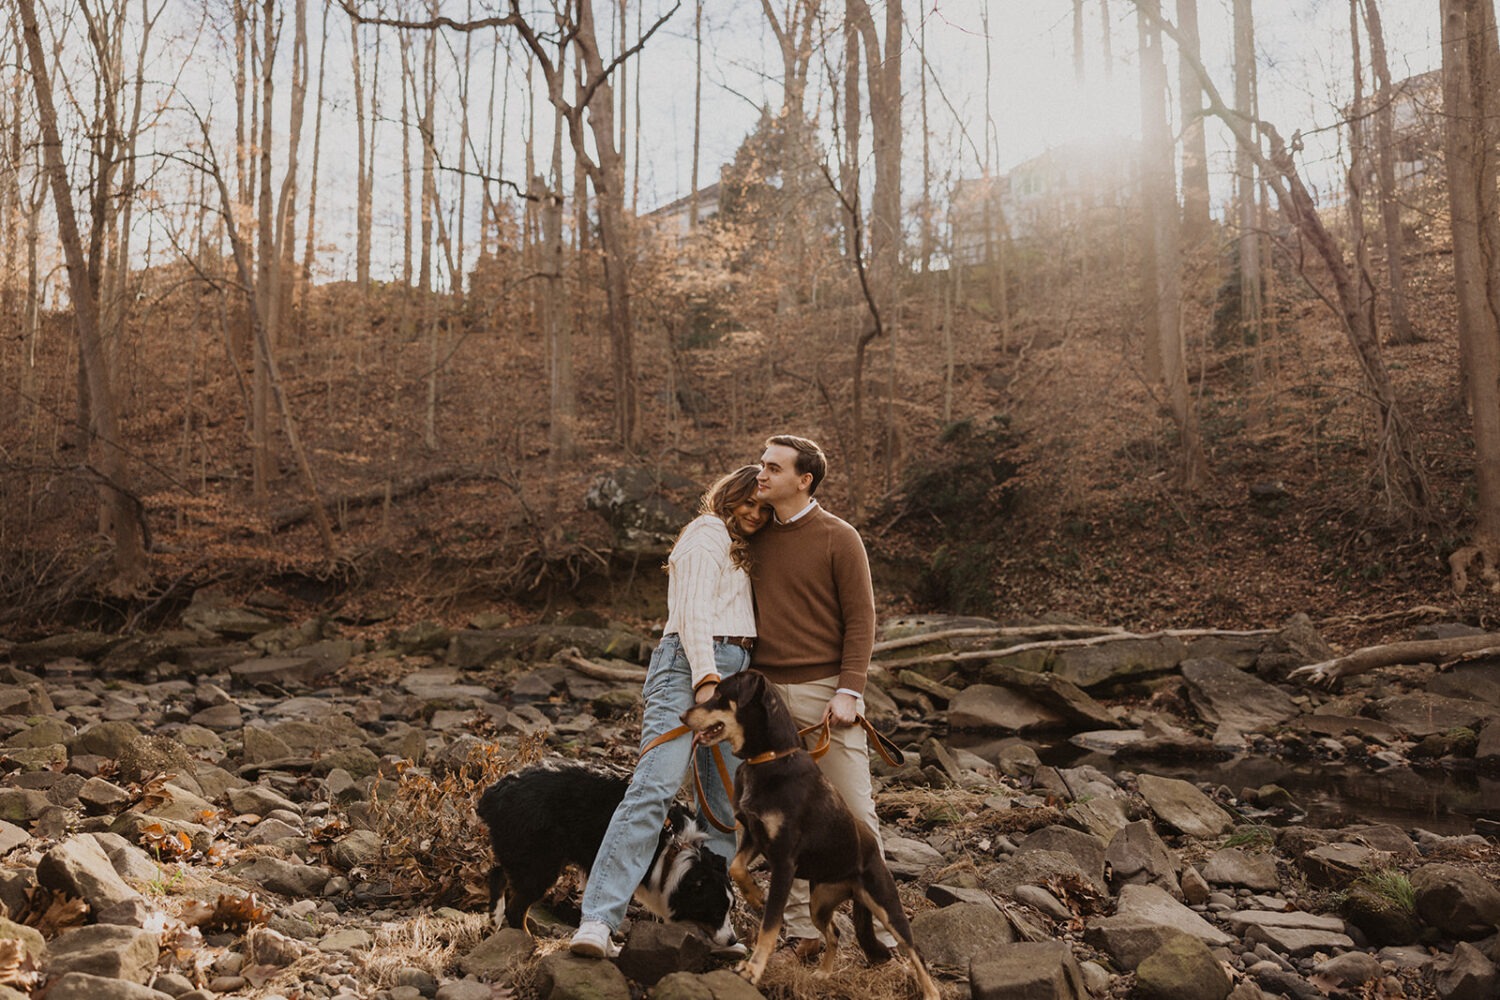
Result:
[{"x": 591, "y": 940}]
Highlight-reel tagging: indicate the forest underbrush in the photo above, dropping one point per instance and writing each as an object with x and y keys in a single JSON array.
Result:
[{"x": 1011, "y": 469}]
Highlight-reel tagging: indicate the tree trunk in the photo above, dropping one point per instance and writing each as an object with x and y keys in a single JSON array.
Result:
[
  {"x": 262, "y": 462},
  {"x": 1364, "y": 279},
  {"x": 994, "y": 214},
  {"x": 1252, "y": 308},
  {"x": 927, "y": 238},
  {"x": 1402, "y": 331},
  {"x": 118, "y": 488},
  {"x": 362, "y": 213},
  {"x": 608, "y": 178},
  {"x": 284, "y": 283},
  {"x": 1396, "y": 466},
  {"x": 457, "y": 267},
  {"x": 1164, "y": 246},
  {"x": 697, "y": 113},
  {"x": 242, "y": 100},
  {"x": 562, "y": 394},
  {"x": 312, "y": 184},
  {"x": 246, "y": 270},
  {"x": 1471, "y": 74},
  {"x": 117, "y": 301},
  {"x": 1196, "y": 221},
  {"x": 424, "y": 127},
  {"x": 408, "y": 217}
]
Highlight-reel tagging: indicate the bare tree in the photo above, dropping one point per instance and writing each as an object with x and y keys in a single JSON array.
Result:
[
  {"x": 284, "y": 284},
  {"x": 117, "y": 496},
  {"x": 697, "y": 113},
  {"x": 562, "y": 393},
  {"x": 793, "y": 26},
  {"x": 364, "y": 124},
  {"x": 408, "y": 217},
  {"x": 1164, "y": 246},
  {"x": 251, "y": 273},
  {"x": 312, "y": 183},
  {"x": 1402, "y": 331},
  {"x": 262, "y": 464},
  {"x": 605, "y": 169},
  {"x": 1471, "y": 100},
  {"x": 1396, "y": 465},
  {"x": 1196, "y": 222},
  {"x": 1364, "y": 280},
  {"x": 1252, "y": 308}
]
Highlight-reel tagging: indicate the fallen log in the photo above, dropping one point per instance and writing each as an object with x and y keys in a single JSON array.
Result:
[
  {"x": 601, "y": 671},
  {"x": 1417, "y": 651},
  {"x": 997, "y": 631},
  {"x": 1094, "y": 640},
  {"x": 286, "y": 517}
]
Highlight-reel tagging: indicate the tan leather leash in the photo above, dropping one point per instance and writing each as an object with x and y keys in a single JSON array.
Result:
[
  {"x": 888, "y": 751},
  {"x": 724, "y": 779}
]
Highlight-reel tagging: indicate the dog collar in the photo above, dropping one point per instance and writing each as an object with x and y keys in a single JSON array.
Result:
[{"x": 770, "y": 755}]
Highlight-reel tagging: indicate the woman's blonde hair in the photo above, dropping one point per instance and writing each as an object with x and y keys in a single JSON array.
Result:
[{"x": 722, "y": 498}]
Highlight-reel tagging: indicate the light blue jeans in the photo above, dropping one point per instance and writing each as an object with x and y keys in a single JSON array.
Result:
[{"x": 629, "y": 843}]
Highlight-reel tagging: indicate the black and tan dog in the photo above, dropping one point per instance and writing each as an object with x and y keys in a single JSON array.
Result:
[{"x": 789, "y": 814}]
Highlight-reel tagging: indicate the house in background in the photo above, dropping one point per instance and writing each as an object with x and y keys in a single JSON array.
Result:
[
  {"x": 673, "y": 221},
  {"x": 1072, "y": 186},
  {"x": 1416, "y": 128}
]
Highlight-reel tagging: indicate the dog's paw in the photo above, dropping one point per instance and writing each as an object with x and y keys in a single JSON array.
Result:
[{"x": 748, "y": 972}]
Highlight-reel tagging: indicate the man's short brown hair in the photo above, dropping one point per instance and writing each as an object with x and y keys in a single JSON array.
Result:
[{"x": 810, "y": 458}]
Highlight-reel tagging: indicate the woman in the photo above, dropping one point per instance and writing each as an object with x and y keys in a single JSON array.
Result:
[{"x": 709, "y": 633}]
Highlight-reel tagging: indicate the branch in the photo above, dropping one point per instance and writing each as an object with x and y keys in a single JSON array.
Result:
[
  {"x": 1370, "y": 657},
  {"x": 857, "y": 252},
  {"x": 588, "y": 92},
  {"x": 991, "y": 630},
  {"x": 600, "y": 671},
  {"x": 441, "y": 21},
  {"x": 990, "y": 654}
]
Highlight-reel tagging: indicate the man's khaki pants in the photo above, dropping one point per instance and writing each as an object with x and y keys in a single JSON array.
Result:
[{"x": 846, "y": 765}]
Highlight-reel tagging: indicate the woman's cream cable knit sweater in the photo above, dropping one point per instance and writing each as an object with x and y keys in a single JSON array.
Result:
[{"x": 707, "y": 594}]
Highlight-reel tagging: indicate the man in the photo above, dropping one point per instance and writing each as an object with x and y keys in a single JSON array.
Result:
[{"x": 815, "y": 622}]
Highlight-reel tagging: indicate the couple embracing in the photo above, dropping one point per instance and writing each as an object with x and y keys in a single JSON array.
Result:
[{"x": 809, "y": 628}]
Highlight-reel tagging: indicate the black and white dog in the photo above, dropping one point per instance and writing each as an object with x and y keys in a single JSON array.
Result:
[{"x": 550, "y": 815}]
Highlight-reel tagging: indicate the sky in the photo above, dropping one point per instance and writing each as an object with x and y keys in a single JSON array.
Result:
[
  {"x": 1302, "y": 45},
  {"x": 1035, "y": 103}
]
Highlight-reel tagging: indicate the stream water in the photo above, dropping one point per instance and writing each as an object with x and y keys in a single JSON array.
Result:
[{"x": 1439, "y": 800}]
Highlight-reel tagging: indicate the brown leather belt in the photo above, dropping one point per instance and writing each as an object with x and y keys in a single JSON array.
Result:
[{"x": 745, "y": 642}]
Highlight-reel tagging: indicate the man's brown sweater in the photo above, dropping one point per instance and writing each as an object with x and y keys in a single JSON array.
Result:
[{"x": 814, "y": 605}]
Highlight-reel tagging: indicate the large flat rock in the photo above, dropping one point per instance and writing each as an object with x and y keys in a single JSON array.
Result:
[{"x": 1146, "y": 916}]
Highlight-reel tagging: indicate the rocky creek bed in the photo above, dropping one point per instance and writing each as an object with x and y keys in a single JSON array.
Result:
[{"x": 248, "y": 807}]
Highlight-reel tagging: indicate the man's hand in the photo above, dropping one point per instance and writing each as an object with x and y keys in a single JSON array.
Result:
[
  {"x": 704, "y": 692},
  {"x": 842, "y": 710}
]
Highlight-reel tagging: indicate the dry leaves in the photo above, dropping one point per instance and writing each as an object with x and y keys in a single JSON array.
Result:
[
  {"x": 172, "y": 845},
  {"x": 152, "y": 792},
  {"x": 435, "y": 842},
  {"x": 228, "y": 913},
  {"x": 52, "y": 912}
]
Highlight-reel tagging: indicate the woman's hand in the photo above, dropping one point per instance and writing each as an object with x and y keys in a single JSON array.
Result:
[{"x": 705, "y": 692}]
